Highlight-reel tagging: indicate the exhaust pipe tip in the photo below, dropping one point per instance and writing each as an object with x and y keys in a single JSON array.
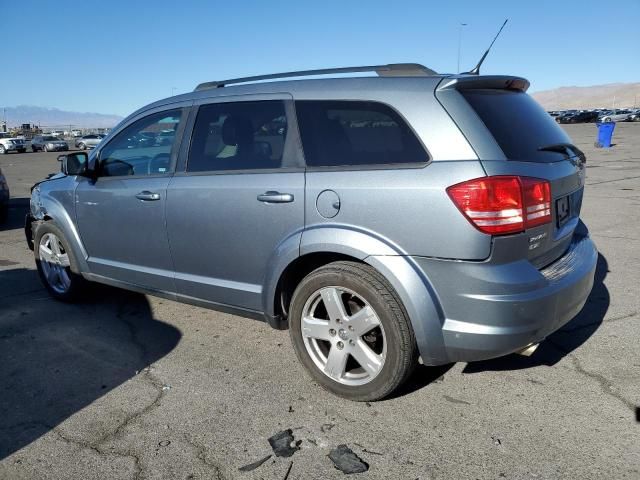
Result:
[{"x": 528, "y": 350}]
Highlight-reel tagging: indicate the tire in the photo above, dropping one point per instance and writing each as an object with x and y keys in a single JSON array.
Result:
[
  {"x": 56, "y": 274},
  {"x": 22, "y": 150},
  {"x": 383, "y": 336},
  {"x": 3, "y": 151},
  {"x": 607, "y": 120},
  {"x": 34, "y": 149},
  {"x": 4, "y": 213},
  {"x": 45, "y": 149},
  {"x": 82, "y": 146}
]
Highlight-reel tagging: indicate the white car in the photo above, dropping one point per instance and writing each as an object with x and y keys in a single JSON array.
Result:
[
  {"x": 615, "y": 116},
  {"x": 12, "y": 145}
]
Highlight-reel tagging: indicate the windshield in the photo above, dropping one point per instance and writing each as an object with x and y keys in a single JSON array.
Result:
[
  {"x": 50, "y": 139},
  {"x": 519, "y": 124}
]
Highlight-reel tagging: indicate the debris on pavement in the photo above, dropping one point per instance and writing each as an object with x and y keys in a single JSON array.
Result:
[
  {"x": 281, "y": 443},
  {"x": 254, "y": 465},
  {"x": 345, "y": 460},
  {"x": 286, "y": 475},
  {"x": 325, "y": 427},
  {"x": 164, "y": 443}
]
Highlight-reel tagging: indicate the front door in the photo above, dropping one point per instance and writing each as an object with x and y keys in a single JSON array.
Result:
[
  {"x": 241, "y": 196},
  {"x": 121, "y": 214}
]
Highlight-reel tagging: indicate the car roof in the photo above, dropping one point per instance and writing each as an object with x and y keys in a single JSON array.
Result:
[{"x": 343, "y": 88}]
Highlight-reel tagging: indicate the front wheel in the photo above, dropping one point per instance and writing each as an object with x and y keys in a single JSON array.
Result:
[
  {"x": 3, "y": 151},
  {"x": 45, "y": 149},
  {"x": 351, "y": 332},
  {"x": 82, "y": 146},
  {"x": 54, "y": 260}
]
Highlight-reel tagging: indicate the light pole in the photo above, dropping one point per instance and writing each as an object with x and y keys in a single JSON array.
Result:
[
  {"x": 460, "y": 42},
  {"x": 173, "y": 89}
]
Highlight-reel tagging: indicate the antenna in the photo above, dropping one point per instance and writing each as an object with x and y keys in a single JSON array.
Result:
[{"x": 476, "y": 69}]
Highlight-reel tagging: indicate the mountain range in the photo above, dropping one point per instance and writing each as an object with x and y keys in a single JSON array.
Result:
[
  {"x": 612, "y": 95},
  {"x": 54, "y": 117}
]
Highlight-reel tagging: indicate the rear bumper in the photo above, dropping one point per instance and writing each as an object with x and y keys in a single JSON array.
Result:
[{"x": 493, "y": 310}]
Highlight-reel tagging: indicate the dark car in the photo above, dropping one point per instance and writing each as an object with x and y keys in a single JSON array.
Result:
[
  {"x": 579, "y": 117},
  {"x": 48, "y": 143}
]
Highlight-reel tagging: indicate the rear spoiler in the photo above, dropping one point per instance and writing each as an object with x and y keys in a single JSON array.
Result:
[{"x": 498, "y": 82}]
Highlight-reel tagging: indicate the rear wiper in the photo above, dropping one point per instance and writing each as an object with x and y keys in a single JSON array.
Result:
[
  {"x": 568, "y": 149},
  {"x": 556, "y": 147}
]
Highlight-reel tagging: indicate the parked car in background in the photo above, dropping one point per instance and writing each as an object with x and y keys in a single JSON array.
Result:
[
  {"x": 578, "y": 117},
  {"x": 76, "y": 133},
  {"x": 48, "y": 143},
  {"x": 4, "y": 198},
  {"x": 615, "y": 116},
  {"x": 165, "y": 137},
  {"x": 89, "y": 141},
  {"x": 634, "y": 116},
  {"x": 12, "y": 145},
  {"x": 381, "y": 237}
]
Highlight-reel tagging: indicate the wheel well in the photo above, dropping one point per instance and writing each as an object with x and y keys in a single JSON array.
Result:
[{"x": 296, "y": 271}]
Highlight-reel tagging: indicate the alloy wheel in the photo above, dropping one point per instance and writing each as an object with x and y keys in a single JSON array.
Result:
[
  {"x": 343, "y": 336},
  {"x": 55, "y": 263}
]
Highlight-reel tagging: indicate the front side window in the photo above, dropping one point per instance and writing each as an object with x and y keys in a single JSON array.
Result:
[
  {"x": 140, "y": 149},
  {"x": 238, "y": 136},
  {"x": 354, "y": 133}
]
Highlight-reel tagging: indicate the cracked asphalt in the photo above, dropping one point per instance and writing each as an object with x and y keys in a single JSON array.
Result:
[{"x": 127, "y": 386}]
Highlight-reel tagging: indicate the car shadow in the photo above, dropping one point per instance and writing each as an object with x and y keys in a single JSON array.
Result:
[
  {"x": 563, "y": 341},
  {"x": 18, "y": 209},
  {"x": 58, "y": 358}
]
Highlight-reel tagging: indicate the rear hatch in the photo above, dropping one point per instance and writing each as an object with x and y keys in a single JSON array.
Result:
[{"x": 514, "y": 135}]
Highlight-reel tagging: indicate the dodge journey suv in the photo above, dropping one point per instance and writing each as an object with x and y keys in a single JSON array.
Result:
[{"x": 385, "y": 221}]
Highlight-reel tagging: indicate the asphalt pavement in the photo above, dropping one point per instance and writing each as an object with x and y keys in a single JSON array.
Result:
[{"x": 127, "y": 386}]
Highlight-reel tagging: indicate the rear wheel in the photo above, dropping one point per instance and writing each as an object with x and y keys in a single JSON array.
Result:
[
  {"x": 54, "y": 260},
  {"x": 82, "y": 146},
  {"x": 351, "y": 332},
  {"x": 45, "y": 149},
  {"x": 3, "y": 150}
]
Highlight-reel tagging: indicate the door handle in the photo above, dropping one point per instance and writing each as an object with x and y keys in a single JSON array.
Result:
[
  {"x": 275, "y": 197},
  {"x": 148, "y": 196}
]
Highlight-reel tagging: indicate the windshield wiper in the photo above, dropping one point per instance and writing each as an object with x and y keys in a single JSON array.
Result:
[{"x": 567, "y": 149}]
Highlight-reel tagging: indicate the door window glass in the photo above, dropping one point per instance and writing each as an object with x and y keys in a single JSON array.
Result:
[
  {"x": 143, "y": 148},
  {"x": 238, "y": 136},
  {"x": 348, "y": 133}
]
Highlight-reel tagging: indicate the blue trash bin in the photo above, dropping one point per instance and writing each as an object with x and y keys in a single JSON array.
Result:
[{"x": 605, "y": 134}]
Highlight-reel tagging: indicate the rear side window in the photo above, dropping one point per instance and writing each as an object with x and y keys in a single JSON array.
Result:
[
  {"x": 238, "y": 136},
  {"x": 518, "y": 123},
  {"x": 347, "y": 133}
]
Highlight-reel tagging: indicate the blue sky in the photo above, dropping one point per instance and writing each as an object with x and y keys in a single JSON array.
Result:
[{"x": 114, "y": 56}]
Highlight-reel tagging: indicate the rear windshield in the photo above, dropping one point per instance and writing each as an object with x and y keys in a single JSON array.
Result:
[{"x": 518, "y": 123}]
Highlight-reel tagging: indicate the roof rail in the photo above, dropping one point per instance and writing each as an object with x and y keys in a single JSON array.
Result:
[{"x": 390, "y": 70}]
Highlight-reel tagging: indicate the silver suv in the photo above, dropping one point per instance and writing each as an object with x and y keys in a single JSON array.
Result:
[{"x": 386, "y": 221}]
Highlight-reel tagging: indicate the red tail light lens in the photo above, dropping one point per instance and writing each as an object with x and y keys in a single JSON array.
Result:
[
  {"x": 503, "y": 204},
  {"x": 537, "y": 199}
]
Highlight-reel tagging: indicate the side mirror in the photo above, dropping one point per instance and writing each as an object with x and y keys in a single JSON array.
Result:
[{"x": 74, "y": 163}]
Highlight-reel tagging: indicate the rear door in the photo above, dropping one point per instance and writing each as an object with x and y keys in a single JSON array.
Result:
[
  {"x": 240, "y": 196},
  {"x": 526, "y": 142}
]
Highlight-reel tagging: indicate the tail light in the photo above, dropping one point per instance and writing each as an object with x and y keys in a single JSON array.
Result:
[{"x": 502, "y": 205}]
